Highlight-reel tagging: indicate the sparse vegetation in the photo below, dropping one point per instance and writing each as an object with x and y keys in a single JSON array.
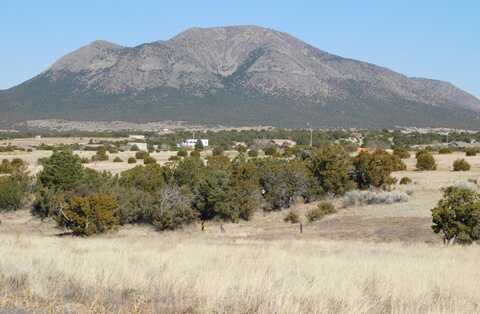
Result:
[
  {"x": 405, "y": 180},
  {"x": 355, "y": 198},
  {"x": 445, "y": 150},
  {"x": 323, "y": 209},
  {"x": 469, "y": 152},
  {"x": 292, "y": 217},
  {"x": 425, "y": 161},
  {"x": 461, "y": 165}
]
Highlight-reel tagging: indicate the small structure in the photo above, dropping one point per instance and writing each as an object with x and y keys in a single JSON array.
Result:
[
  {"x": 137, "y": 137},
  {"x": 191, "y": 142}
]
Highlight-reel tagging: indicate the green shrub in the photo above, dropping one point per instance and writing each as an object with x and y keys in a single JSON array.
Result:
[
  {"x": 131, "y": 160},
  {"x": 117, "y": 159},
  {"x": 425, "y": 161},
  {"x": 174, "y": 158},
  {"x": 141, "y": 154},
  {"x": 195, "y": 154},
  {"x": 252, "y": 153},
  {"x": 149, "y": 160},
  {"x": 101, "y": 154},
  {"x": 461, "y": 165},
  {"x": 182, "y": 153},
  {"x": 134, "y": 148},
  {"x": 444, "y": 150},
  {"x": 241, "y": 148},
  {"x": 405, "y": 180},
  {"x": 292, "y": 217},
  {"x": 270, "y": 150},
  {"x": 401, "y": 153},
  {"x": 88, "y": 215},
  {"x": 16, "y": 165},
  {"x": 457, "y": 214},
  {"x": 471, "y": 152},
  {"x": 199, "y": 145},
  {"x": 323, "y": 209},
  {"x": 84, "y": 160},
  {"x": 13, "y": 191},
  {"x": 147, "y": 178}
]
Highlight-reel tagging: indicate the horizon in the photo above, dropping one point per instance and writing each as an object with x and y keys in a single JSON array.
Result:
[{"x": 417, "y": 43}]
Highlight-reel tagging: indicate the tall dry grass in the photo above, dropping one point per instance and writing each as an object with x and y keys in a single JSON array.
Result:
[{"x": 174, "y": 274}]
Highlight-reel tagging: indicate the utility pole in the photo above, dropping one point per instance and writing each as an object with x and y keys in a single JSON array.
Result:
[{"x": 311, "y": 134}]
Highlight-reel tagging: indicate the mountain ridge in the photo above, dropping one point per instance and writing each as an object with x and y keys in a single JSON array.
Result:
[{"x": 263, "y": 75}]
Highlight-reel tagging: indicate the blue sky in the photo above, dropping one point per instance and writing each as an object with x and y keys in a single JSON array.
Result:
[{"x": 425, "y": 38}]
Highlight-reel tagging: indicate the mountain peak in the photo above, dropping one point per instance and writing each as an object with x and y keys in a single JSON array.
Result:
[{"x": 234, "y": 75}]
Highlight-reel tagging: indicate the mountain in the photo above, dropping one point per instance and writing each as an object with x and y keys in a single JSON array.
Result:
[{"x": 241, "y": 75}]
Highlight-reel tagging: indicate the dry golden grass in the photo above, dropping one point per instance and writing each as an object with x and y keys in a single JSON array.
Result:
[{"x": 176, "y": 273}]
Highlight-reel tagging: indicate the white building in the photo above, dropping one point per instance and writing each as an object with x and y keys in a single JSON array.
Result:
[
  {"x": 136, "y": 137},
  {"x": 191, "y": 142}
]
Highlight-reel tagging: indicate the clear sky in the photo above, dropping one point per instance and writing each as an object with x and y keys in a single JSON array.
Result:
[{"x": 426, "y": 38}]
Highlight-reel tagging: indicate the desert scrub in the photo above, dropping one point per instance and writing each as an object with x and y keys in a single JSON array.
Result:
[
  {"x": 461, "y": 165},
  {"x": 469, "y": 152},
  {"x": 292, "y": 217},
  {"x": 117, "y": 159},
  {"x": 356, "y": 197},
  {"x": 405, "y": 180},
  {"x": 401, "y": 153},
  {"x": 444, "y": 150},
  {"x": 425, "y": 161},
  {"x": 323, "y": 209},
  {"x": 132, "y": 160}
]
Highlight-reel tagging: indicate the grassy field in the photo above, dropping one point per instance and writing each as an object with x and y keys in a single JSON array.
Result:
[{"x": 364, "y": 259}]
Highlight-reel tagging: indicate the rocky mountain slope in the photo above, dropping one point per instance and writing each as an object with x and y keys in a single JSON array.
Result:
[{"x": 242, "y": 75}]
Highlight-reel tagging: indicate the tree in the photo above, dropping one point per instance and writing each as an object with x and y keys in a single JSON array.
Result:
[
  {"x": 148, "y": 178},
  {"x": 182, "y": 153},
  {"x": 241, "y": 148},
  {"x": 374, "y": 170},
  {"x": 62, "y": 171},
  {"x": 331, "y": 166},
  {"x": 461, "y": 165},
  {"x": 457, "y": 215},
  {"x": 173, "y": 209},
  {"x": 212, "y": 196},
  {"x": 425, "y": 161},
  {"x": 199, "y": 145},
  {"x": 245, "y": 189},
  {"x": 96, "y": 213},
  {"x": 283, "y": 181}
]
